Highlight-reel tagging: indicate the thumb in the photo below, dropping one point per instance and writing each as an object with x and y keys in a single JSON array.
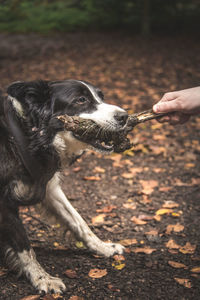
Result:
[{"x": 168, "y": 106}]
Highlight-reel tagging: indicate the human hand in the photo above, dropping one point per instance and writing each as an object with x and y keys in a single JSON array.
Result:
[{"x": 182, "y": 103}]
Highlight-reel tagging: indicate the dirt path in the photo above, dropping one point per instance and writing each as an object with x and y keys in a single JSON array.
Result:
[{"x": 148, "y": 196}]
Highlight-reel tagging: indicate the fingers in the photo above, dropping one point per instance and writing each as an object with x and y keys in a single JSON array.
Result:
[{"x": 168, "y": 106}]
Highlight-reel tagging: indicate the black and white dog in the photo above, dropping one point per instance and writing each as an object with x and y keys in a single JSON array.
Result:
[{"x": 34, "y": 148}]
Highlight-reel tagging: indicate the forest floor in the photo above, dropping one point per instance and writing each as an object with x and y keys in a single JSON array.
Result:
[{"x": 146, "y": 198}]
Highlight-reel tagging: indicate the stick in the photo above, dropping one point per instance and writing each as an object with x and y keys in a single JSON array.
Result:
[{"x": 89, "y": 132}]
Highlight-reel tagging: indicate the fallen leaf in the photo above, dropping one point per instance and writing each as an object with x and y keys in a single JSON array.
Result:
[
  {"x": 127, "y": 175},
  {"x": 128, "y": 242},
  {"x": 48, "y": 297},
  {"x": 112, "y": 288},
  {"x": 145, "y": 217},
  {"x": 157, "y": 218},
  {"x": 92, "y": 178},
  {"x": 165, "y": 188},
  {"x": 172, "y": 245},
  {"x": 97, "y": 273},
  {"x": 158, "y": 170},
  {"x": 118, "y": 265},
  {"x": 70, "y": 273},
  {"x": 170, "y": 204},
  {"x": 138, "y": 221},
  {"x": 145, "y": 250},
  {"x": 107, "y": 209},
  {"x": 118, "y": 257},
  {"x": 188, "y": 248},
  {"x": 152, "y": 232},
  {"x": 163, "y": 211},
  {"x": 31, "y": 297},
  {"x": 98, "y": 219},
  {"x": 145, "y": 199},
  {"x": 80, "y": 245},
  {"x": 189, "y": 165},
  {"x": 99, "y": 170},
  {"x": 76, "y": 298},
  {"x": 148, "y": 186},
  {"x": 195, "y": 270},
  {"x": 183, "y": 281},
  {"x": 129, "y": 205},
  {"x": 177, "y": 265},
  {"x": 195, "y": 181},
  {"x": 176, "y": 228}
]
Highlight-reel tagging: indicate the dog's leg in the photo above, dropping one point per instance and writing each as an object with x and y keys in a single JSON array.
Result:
[
  {"x": 59, "y": 205},
  {"x": 20, "y": 257}
]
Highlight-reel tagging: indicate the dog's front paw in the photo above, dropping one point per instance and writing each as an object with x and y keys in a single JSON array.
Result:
[
  {"x": 49, "y": 284},
  {"x": 109, "y": 249}
]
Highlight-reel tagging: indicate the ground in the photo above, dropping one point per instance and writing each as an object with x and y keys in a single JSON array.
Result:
[{"x": 146, "y": 198}]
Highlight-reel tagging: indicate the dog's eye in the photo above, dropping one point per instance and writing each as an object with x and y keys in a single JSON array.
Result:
[{"x": 81, "y": 100}]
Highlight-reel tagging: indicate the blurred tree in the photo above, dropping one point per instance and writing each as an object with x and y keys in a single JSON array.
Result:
[{"x": 141, "y": 16}]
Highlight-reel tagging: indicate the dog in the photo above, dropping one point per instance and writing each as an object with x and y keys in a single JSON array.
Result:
[{"x": 34, "y": 149}]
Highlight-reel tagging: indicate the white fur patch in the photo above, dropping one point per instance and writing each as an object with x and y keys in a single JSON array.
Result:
[
  {"x": 56, "y": 199},
  {"x": 17, "y": 105},
  {"x": 40, "y": 279},
  {"x": 104, "y": 115}
]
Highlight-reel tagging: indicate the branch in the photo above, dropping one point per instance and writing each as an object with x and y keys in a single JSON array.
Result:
[{"x": 89, "y": 132}]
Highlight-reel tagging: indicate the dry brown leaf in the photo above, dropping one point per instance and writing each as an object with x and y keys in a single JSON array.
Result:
[
  {"x": 107, "y": 209},
  {"x": 145, "y": 199},
  {"x": 134, "y": 170},
  {"x": 184, "y": 281},
  {"x": 148, "y": 186},
  {"x": 172, "y": 245},
  {"x": 145, "y": 217},
  {"x": 129, "y": 205},
  {"x": 195, "y": 270},
  {"x": 127, "y": 175},
  {"x": 138, "y": 221},
  {"x": 170, "y": 204},
  {"x": 177, "y": 265},
  {"x": 70, "y": 273},
  {"x": 49, "y": 297},
  {"x": 118, "y": 257},
  {"x": 128, "y": 242},
  {"x": 145, "y": 250},
  {"x": 98, "y": 219},
  {"x": 31, "y": 297},
  {"x": 157, "y": 218},
  {"x": 195, "y": 181},
  {"x": 76, "y": 298},
  {"x": 178, "y": 182},
  {"x": 159, "y": 170},
  {"x": 99, "y": 170},
  {"x": 174, "y": 227},
  {"x": 188, "y": 248},
  {"x": 165, "y": 188},
  {"x": 92, "y": 178},
  {"x": 152, "y": 232},
  {"x": 97, "y": 273}
]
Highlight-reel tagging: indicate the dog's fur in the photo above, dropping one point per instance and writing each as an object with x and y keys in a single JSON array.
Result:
[{"x": 35, "y": 106}]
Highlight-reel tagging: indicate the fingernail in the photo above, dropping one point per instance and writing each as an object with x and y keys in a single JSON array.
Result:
[{"x": 156, "y": 108}]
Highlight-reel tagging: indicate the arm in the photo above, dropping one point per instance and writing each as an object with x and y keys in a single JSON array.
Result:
[{"x": 183, "y": 103}]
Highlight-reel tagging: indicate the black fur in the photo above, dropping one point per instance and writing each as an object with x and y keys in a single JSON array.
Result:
[{"x": 37, "y": 125}]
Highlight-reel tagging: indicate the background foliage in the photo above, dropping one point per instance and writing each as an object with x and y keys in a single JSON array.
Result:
[{"x": 143, "y": 16}]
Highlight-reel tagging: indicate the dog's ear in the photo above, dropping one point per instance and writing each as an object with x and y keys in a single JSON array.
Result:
[{"x": 32, "y": 91}]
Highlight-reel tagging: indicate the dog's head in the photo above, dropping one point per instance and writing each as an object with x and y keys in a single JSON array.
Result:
[{"x": 71, "y": 97}]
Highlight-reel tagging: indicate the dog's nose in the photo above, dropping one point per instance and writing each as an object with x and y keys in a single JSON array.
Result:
[{"x": 121, "y": 117}]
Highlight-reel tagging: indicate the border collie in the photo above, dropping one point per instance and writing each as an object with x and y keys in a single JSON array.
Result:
[{"x": 34, "y": 149}]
